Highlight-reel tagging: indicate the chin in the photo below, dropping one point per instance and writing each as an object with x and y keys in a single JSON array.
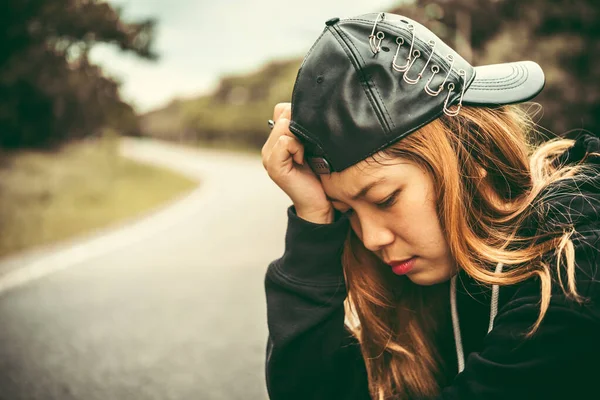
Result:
[{"x": 428, "y": 278}]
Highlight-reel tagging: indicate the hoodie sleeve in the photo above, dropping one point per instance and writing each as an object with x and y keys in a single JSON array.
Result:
[
  {"x": 310, "y": 353},
  {"x": 560, "y": 361}
]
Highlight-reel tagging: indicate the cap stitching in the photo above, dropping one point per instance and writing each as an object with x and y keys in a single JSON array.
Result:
[
  {"x": 512, "y": 85},
  {"x": 360, "y": 71},
  {"x": 395, "y": 139},
  {"x": 304, "y": 132},
  {"x": 510, "y": 77},
  {"x": 373, "y": 83},
  {"x": 301, "y": 65},
  {"x": 313, "y": 46},
  {"x": 421, "y": 44}
]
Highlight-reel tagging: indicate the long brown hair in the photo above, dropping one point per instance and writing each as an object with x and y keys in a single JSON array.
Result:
[{"x": 398, "y": 323}]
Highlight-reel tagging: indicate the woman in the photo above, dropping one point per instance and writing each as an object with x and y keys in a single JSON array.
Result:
[{"x": 432, "y": 251}]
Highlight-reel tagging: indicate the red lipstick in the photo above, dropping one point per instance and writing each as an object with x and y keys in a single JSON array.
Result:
[{"x": 402, "y": 267}]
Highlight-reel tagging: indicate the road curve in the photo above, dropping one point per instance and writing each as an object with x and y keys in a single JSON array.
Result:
[{"x": 169, "y": 306}]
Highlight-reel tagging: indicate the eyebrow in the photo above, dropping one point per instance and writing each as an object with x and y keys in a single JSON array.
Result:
[{"x": 363, "y": 192}]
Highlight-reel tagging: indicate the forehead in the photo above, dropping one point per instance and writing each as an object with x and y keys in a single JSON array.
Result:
[
  {"x": 355, "y": 174},
  {"x": 355, "y": 177}
]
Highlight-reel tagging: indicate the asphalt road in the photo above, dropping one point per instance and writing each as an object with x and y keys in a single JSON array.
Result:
[{"x": 170, "y": 306}]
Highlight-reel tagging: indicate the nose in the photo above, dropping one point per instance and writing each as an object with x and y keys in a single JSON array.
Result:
[{"x": 373, "y": 232}]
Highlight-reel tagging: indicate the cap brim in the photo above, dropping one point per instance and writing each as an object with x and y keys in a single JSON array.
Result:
[{"x": 506, "y": 83}]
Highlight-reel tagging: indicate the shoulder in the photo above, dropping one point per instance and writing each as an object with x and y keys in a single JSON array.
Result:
[
  {"x": 586, "y": 248},
  {"x": 586, "y": 273},
  {"x": 568, "y": 205},
  {"x": 560, "y": 359},
  {"x": 573, "y": 200}
]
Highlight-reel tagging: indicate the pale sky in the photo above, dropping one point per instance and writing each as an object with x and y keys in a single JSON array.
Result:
[{"x": 199, "y": 40}]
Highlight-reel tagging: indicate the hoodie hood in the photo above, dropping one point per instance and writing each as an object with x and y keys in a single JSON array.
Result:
[{"x": 576, "y": 200}]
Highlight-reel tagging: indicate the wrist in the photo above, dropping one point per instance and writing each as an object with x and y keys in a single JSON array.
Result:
[{"x": 317, "y": 216}]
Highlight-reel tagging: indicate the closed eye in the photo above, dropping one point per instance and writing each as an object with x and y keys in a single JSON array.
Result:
[{"x": 390, "y": 201}]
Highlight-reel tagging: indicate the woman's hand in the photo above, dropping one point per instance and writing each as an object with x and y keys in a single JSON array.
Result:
[{"x": 283, "y": 158}]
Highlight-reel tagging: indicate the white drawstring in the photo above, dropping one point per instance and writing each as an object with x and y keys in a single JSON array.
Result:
[
  {"x": 456, "y": 326},
  {"x": 456, "y": 323},
  {"x": 494, "y": 303}
]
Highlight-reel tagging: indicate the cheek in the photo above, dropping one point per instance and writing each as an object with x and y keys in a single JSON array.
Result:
[
  {"x": 416, "y": 228},
  {"x": 417, "y": 224}
]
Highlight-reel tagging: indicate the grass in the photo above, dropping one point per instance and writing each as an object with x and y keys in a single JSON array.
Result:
[
  {"x": 47, "y": 197},
  {"x": 233, "y": 146}
]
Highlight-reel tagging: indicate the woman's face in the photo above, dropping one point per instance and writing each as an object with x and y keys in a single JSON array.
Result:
[{"x": 396, "y": 218}]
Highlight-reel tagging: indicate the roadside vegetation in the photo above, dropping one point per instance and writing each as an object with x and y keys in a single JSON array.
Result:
[{"x": 47, "y": 196}]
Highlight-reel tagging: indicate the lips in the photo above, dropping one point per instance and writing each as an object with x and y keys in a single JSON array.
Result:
[
  {"x": 402, "y": 267},
  {"x": 395, "y": 262}
]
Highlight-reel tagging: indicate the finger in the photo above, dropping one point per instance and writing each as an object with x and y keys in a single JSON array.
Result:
[
  {"x": 287, "y": 111},
  {"x": 276, "y": 131},
  {"x": 284, "y": 151},
  {"x": 281, "y": 128},
  {"x": 297, "y": 149},
  {"x": 279, "y": 109}
]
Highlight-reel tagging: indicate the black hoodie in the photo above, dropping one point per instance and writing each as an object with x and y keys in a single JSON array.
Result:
[{"x": 311, "y": 355}]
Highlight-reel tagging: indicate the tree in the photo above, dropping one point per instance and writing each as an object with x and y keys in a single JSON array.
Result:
[
  {"x": 49, "y": 91},
  {"x": 562, "y": 36}
]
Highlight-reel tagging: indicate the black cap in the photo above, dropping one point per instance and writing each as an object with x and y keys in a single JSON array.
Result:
[{"x": 370, "y": 80}]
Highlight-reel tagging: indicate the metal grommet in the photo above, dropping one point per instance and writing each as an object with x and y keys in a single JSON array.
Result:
[
  {"x": 319, "y": 165},
  {"x": 320, "y": 79}
]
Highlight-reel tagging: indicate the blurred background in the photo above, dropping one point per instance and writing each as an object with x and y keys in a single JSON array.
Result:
[{"x": 136, "y": 221}]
